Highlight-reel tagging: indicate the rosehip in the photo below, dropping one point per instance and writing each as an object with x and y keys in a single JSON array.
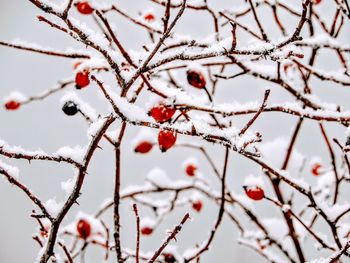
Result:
[
  {"x": 191, "y": 170},
  {"x": 146, "y": 231},
  {"x": 143, "y": 147},
  {"x": 255, "y": 193},
  {"x": 196, "y": 79},
  {"x": 149, "y": 17},
  {"x": 84, "y": 8},
  {"x": 197, "y": 205},
  {"x": 82, "y": 79},
  {"x": 84, "y": 228},
  {"x": 166, "y": 139},
  {"x": 70, "y": 108},
  {"x": 316, "y": 169},
  {"x": 162, "y": 113},
  {"x": 44, "y": 233},
  {"x": 12, "y": 105}
]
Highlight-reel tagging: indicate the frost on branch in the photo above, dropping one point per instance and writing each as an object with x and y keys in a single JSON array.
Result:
[{"x": 232, "y": 123}]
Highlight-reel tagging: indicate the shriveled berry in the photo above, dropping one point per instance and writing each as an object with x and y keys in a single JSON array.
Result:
[
  {"x": 315, "y": 170},
  {"x": 196, "y": 79},
  {"x": 143, "y": 147},
  {"x": 191, "y": 170},
  {"x": 162, "y": 113},
  {"x": 256, "y": 193},
  {"x": 70, "y": 108},
  {"x": 84, "y": 228},
  {"x": 169, "y": 258},
  {"x": 146, "y": 231},
  {"x": 84, "y": 8},
  {"x": 166, "y": 139},
  {"x": 82, "y": 79},
  {"x": 197, "y": 205},
  {"x": 149, "y": 17},
  {"x": 12, "y": 105}
]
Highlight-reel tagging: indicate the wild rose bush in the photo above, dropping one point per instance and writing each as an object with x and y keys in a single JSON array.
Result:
[{"x": 177, "y": 89}]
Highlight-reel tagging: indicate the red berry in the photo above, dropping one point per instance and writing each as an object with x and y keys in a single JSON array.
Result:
[
  {"x": 162, "y": 113},
  {"x": 82, "y": 79},
  {"x": 149, "y": 17},
  {"x": 316, "y": 169},
  {"x": 255, "y": 193},
  {"x": 166, "y": 139},
  {"x": 316, "y": 2},
  {"x": 84, "y": 8},
  {"x": 44, "y": 232},
  {"x": 191, "y": 170},
  {"x": 146, "y": 231},
  {"x": 143, "y": 147},
  {"x": 197, "y": 205},
  {"x": 84, "y": 228},
  {"x": 12, "y": 105},
  {"x": 196, "y": 79}
]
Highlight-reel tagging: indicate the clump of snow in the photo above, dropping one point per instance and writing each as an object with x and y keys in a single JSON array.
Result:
[
  {"x": 95, "y": 127},
  {"x": 53, "y": 207},
  {"x": 147, "y": 222},
  {"x": 254, "y": 180},
  {"x": 276, "y": 227},
  {"x": 11, "y": 170},
  {"x": 159, "y": 177},
  {"x": 76, "y": 154},
  {"x": 16, "y": 96},
  {"x": 68, "y": 186},
  {"x": 275, "y": 151},
  {"x": 196, "y": 196},
  {"x": 144, "y": 135}
]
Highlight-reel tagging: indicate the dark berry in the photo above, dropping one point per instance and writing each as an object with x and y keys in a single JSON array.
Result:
[{"x": 70, "y": 108}]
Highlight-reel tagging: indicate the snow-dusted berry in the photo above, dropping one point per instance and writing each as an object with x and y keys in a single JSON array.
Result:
[
  {"x": 191, "y": 170},
  {"x": 254, "y": 192},
  {"x": 166, "y": 140},
  {"x": 197, "y": 205},
  {"x": 82, "y": 79},
  {"x": 83, "y": 228},
  {"x": 196, "y": 79},
  {"x": 143, "y": 147},
  {"x": 162, "y": 113},
  {"x": 84, "y": 8},
  {"x": 315, "y": 170},
  {"x": 146, "y": 230},
  {"x": 12, "y": 105},
  {"x": 70, "y": 108}
]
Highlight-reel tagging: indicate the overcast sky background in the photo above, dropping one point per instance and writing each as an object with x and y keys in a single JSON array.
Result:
[{"x": 43, "y": 125}]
